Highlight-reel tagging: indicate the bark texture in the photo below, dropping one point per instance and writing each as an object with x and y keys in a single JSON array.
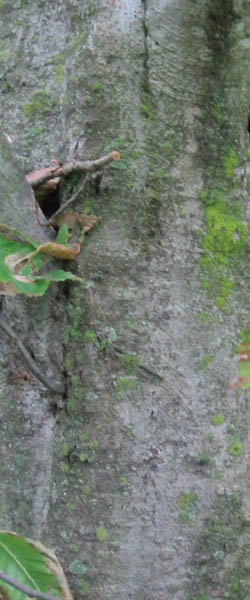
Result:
[{"x": 140, "y": 480}]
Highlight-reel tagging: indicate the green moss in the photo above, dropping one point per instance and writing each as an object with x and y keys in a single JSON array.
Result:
[
  {"x": 89, "y": 336},
  {"x": 64, "y": 467},
  {"x": 204, "y": 459},
  {"x": 187, "y": 507},
  {"x": 230, "y": 163},
  {"x": 96, "y": 87},
  {"x": 218, "y": 109},
  {"x": 219, "y": 541},
  {"x": 235, "y": 447},
  {"x": 123, "y": 384},
  {"x": 77, "y": 132},
  {"x": 75, "y": 42},
  {"x": 42, "y": 104},
  {"x": 61, "y": 58},
  {"x": 59, "y": 74},
  {"x": 185, "y": 499},
  {"x": 83, "y": 457},
  {"x": 37, "y": 131},
  {"x": 129, "y": 362},
  {"x": 127, "y": 322},
  {"x": 68, "y": 365},
  {"x": 235, "y": 586},
  {"x": 223, "y": 243},
  {"x": 146, "y": 107},
  {"x": 65, "y": 450},
  {"x": 89, "y": 101},
  {"x": 169, "y": 147},
  {"x": 75, "y": 381},
  {"x": 204, "y": 318},
  {"x": 123, "y": 480},
  {"x": 71, "y": 404},
  {"x": 145, "y": 110},
  {"x": 94, "y": 444},
  {"x": 159, "y": 174},
  {"x": 226, "y": 235},
  {"x": 217, "y": 419},
  {"x": 76, "y": 18},
  {"x": 84, "y": 587},
  {"x": 106, "y": 340},
  {"x": 206, "y": 360},
  {"x": 20, "y": 460},
  {"x": 101, "y": 533},
  {"x": 74, "y": 330},
  {"x": 225, "y": 289}
]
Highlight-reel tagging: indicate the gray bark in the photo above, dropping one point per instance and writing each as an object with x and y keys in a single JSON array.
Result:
[
  {"x": 131, "y": 479},
  {"x": 18, "y": 201}
]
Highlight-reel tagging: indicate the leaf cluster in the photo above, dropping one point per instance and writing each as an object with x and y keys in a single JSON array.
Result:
[{"x": 23, "y": 264}]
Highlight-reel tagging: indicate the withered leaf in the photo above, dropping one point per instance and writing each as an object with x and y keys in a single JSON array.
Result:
[
  {"x": 71, "y": 219},
  {"x": 57, "y": 251}
]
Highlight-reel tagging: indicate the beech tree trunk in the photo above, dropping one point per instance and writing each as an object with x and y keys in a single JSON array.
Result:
[{"x": 139, "y": 476}]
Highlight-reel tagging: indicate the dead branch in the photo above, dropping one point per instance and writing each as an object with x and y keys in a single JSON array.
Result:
[
  {"x": 51, "y": 384},
  {"x": 39, "y": 177}
]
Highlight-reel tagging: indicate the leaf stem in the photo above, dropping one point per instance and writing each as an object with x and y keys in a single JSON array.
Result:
[{"x": 25, "y": 589}]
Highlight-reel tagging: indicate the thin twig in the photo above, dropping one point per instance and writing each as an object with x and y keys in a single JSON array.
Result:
[
  {"x": 90, "y": 165},
  {"x": 54, "y": 386},
  {"x": 25, "y": 589}
]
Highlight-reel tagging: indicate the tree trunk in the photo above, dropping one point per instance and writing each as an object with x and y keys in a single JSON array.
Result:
[
  {"x": 139, "y": 478},
  {"x": 18, "y": 201}
]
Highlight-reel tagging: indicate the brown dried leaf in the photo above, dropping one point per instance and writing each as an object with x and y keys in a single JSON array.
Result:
[
  {"x": 53, "y": 567},
  {"x": 14, "y": 261},
  {"x": 57, "y": 250},
  {"x": 70, "y": 219},
  {"x": 7, "y": 289}
]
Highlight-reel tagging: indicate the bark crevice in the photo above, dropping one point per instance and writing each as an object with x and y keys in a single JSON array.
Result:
[{"x": 146, "y": 84}]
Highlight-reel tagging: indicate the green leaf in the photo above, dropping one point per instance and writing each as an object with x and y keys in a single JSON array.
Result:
[
  {"x": 22, "y": 276},
  {"x": 4, "y": 273},
  {"x": 33, "y": 288},
  {"x": 63, "y": 235},
  {"x": 40, "y": 283},
  {"x": 58, "y": 275},
  {"x": 31, "y": 564}
]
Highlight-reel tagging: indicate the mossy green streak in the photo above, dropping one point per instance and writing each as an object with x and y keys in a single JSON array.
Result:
[{"x": 223, "y": 243}]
